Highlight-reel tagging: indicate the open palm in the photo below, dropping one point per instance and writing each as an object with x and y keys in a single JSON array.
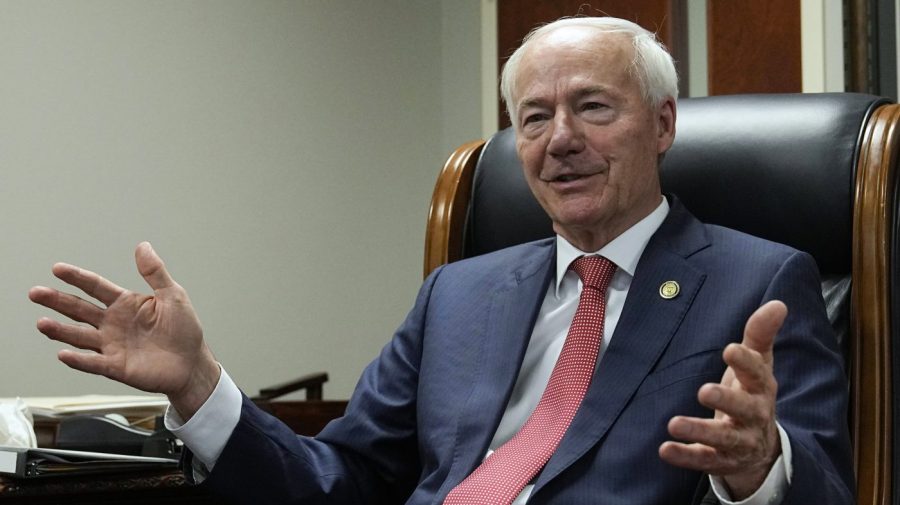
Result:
[{"x": 150, "y": 342}]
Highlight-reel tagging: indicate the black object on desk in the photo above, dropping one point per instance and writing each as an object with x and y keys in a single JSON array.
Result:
[{"x": 102, "y": 434}]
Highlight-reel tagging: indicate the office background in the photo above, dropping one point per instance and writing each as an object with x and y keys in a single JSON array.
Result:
[{"x": 279, "y": 155}]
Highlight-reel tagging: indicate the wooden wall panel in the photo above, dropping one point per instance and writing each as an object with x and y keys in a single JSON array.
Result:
[
  {"x": 668, "y": 18},
  {"x": 754, "y": 46}
]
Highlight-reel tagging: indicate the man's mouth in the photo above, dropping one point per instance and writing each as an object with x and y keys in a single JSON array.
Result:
[
  {"x": 564, "y": 178},
  {"x": 569, "y": 177}
]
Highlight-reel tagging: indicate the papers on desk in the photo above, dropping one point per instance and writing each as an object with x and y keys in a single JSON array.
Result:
[
  {"x": 16, "y": 425},
  {"x": 32, "y": 463},
  {"x": 127, "y": 405}
]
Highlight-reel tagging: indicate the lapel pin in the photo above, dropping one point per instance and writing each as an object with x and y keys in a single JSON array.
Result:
[{"x": 669, "y": 290}]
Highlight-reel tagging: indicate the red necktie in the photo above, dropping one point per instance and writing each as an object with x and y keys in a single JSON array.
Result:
[{"x": 502, "y": 476}]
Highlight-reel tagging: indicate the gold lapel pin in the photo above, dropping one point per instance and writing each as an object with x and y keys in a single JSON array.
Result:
[{"x": 669, "y": 290}]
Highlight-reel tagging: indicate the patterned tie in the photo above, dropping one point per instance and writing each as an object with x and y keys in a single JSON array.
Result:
[{"x": 502, "y": 476}]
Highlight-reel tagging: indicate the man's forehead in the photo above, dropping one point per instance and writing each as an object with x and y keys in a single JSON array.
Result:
[
  {"x": 595, "y": 52},
  {"x": 583, "y": 47},
  {"x": 580, "y": 38}
]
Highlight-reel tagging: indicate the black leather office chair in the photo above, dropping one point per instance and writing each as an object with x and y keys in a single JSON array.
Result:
[{"x": 815, "y": 171}]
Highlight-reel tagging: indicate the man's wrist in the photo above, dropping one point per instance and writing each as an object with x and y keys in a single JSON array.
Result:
[
  {"x": 745, "y": 484},
  {"x": 773, "y": 489},
  {"x": 203, "y": 381},
  {"x": 207, "y": 432}
]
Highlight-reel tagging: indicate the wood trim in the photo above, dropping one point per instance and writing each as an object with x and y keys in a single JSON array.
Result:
[
  {"x": 311, "y": 383},
  {"x": 754, "y": 47},
  {"x": 871, "y": 401},
  {"x": 449, "y": 206},
  {"x": 857, "y": 47}
]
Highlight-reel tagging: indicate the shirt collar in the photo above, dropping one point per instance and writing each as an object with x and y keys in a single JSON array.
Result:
[{"x": 624, "y": 251}]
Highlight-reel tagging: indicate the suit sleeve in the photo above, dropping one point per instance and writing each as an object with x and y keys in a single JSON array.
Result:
[
  {"x": 368, "y": 456},
  {"x": 812, "y": 390}
]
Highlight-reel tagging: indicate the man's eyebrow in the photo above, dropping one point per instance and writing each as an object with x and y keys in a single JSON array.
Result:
[
  {"x": 590, "y": 90},
  {"x": 531, "y": 102},
  {"x": 579, "y": 94}
]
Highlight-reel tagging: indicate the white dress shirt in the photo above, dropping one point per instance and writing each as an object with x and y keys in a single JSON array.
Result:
[{"x": 209, "y": 429}]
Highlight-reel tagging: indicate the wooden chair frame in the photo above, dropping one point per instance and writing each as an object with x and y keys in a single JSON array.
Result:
[
  {"x": 874, "y": 236},
  {"x": 871, "y": 401}
]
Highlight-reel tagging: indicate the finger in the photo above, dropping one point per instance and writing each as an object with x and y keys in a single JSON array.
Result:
[
  {"x": 151, "y": 267},
  {"x": 68, "y": 305},
  {"x": 697, "y": 457},
  {"x": 763, "y": 324},
  {"x": 744, "y": 407},
  {"x": 89, "y": 362},
  {"x": 89, "y": 282},
  {"x": 750, "y": 368},
  {"x": 77, "y": 336},
  {"x": 710, "y": 432}
]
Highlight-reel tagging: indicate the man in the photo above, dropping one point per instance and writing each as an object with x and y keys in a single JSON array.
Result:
[{"x": 447, "y": 413}]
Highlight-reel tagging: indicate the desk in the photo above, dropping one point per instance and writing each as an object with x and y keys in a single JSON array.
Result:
[
  {"x": 158, "y": 488},
  {"x": 304, "y": 417}
]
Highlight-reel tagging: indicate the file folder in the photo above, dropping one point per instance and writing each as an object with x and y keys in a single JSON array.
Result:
[{"x": 27, "y": 463}]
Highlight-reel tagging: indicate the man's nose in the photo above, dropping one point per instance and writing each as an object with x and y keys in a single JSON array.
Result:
[{"x": 567, "y": 136}]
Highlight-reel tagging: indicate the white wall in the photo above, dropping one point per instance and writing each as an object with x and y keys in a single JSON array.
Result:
[
  {"x": 697, "y": 50},
  {"x": 462, "y": 71},
  {"x": 822, "y": 45},
  {"x": 279, "y": 155}
]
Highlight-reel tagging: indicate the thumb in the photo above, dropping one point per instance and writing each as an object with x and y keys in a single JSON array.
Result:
[
  {"x": 151, "y": 267},
  {"x": 763, "y": 324}
]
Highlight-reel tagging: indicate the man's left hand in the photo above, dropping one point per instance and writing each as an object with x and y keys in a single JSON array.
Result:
[{"x": 741, "y": 442}]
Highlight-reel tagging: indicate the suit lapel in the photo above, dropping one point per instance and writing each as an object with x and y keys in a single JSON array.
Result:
[
  {"x": 638, "y": 340},
  {"x": 515, "y": 304}
]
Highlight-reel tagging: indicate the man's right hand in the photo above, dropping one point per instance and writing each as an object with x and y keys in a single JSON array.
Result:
[{"x": 153, "y": 343}]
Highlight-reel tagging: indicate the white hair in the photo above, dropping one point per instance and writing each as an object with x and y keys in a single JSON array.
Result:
[{"x": 652, "y": 64}]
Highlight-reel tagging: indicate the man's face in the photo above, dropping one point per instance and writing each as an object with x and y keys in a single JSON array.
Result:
[{"x": 588, "y": 142}]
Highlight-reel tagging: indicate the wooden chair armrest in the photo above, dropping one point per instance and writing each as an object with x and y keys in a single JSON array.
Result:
[{"x": 312, "y": 383}]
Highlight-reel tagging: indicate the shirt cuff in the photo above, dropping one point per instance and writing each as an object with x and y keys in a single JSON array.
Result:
[
  {"x": 773, "y": 488},
  {"x": 207, "y": 432}
]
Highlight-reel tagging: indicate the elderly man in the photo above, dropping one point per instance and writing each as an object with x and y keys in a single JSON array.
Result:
[{"x": 616, "y": 363}]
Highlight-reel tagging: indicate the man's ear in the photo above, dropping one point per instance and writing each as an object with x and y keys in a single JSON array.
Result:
[{"x": 665, "y": 134}]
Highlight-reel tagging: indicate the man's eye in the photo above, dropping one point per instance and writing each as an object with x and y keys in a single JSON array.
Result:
[
  {"x": 533, "y": 118},
  {"x": 593, "y": 106}
]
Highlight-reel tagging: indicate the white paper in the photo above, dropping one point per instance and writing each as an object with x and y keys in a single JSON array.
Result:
[
  {"x": 16, "y": 425},
  {"x": 52, "y": 406}
]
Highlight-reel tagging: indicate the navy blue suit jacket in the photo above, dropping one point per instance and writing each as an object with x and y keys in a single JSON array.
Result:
[{"x": 425, "y": 410}]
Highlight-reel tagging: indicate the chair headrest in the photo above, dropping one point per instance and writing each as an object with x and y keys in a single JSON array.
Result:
[{"x": 781, "y": 167}]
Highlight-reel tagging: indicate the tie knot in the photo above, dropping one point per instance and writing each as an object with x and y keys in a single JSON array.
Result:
[{"x": 595, "y": 271}]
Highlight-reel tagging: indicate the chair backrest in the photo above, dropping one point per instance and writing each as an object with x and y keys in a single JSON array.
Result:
[{"x": 814, "y": 171}]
